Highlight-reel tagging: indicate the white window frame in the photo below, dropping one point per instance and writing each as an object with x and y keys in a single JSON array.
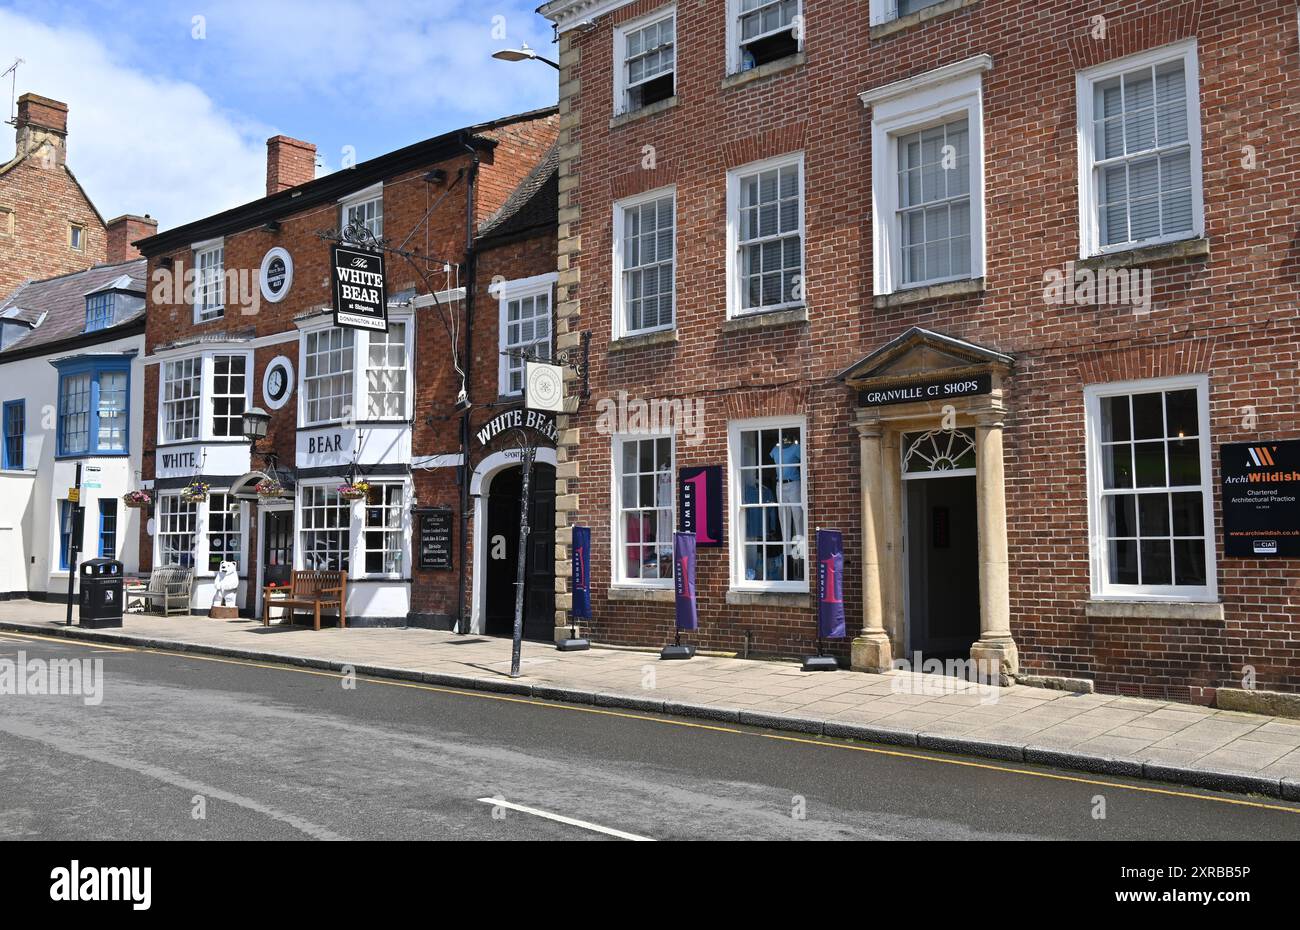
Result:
[
  {"x": 621, "y": 32},
  {"x": 372, "y": 194},
  {"x": 350, "y": 543},
  {"x": 203, "y": 312},
  {"x": 734, "y": 57},
  {"x": 1100, "y": 588},
  {"x": 350, "y": 408},
  {"x": 207, "y": 410},
  {"x": 618, "y": 554},
  {"x": 358, "y": 406},
  {"x": 516, "y": 290},
  {"x": 404, "y": 415},
  {"x": 163, "y": 402},
  {"x": 174, "y": 499},
  {"x": 734, "y": 304},
  {"x": 1089, "y": 218},
  {"x": 736, "y": 537},
  {"x": 936, "y": 98},
  {"x": 402, "y": 531},
  {"x": 886, "y": 11},
  {"x": 203, "y": 551},
  {"x": 617, "y": 289}
]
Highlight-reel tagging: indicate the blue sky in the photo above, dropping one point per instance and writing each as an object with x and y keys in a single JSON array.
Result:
[{"x": 171, "y": 103}]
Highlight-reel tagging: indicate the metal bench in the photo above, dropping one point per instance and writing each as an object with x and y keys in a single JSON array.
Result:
[
  {"x": 172, "y": 586},
  {"x": 309, "y": 591}
]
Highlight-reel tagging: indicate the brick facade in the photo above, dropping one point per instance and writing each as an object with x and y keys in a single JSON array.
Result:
[{"x": 1223, "y": 306}]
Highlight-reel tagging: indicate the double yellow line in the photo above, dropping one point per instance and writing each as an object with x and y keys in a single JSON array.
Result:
[{"x": 798, "y": 740}]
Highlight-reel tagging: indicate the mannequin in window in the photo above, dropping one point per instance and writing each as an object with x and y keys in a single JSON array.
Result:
[
  {"x": 761, "y": 524},
  {"x": 789, "y": 493}
]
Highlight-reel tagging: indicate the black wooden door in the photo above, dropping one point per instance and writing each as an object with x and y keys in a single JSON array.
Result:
[{"x": 502, "y": 553}]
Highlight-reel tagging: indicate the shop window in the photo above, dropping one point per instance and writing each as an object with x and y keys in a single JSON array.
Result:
[
  {"x": 225, "y": 531},
  {"x": 765, "y": 214},
  {"x": 1151, "y": 502},
  {"x": 769, "y": 505},
  {"x": 93, "y": 403},
  {"x": 1140, "y": 151},
  {"x": 327, "y": 375},
  {"x": 763, "y": 31},
  {"x": 645, "y": 56},
  {"x": 385, "y": 540},
  {"x": 525, "y": 327},
  {"x": 15, "y": 433},
  {"x": 107, "y": 528},
  {"x": 644, "y": 289},
  {"x": 928, "y": 178},
  {"x": 210, "y": 283},
  {"x": 326, "y": 530},
  {"x": 386, "y": 373},
  {"x": 177, "y": 528},
  {"x": 182, "y": 387},
  {"x": 643, "y": 510}
]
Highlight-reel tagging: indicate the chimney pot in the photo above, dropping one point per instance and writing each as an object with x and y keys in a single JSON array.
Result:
[
  {"x": 289, "y": 162},
  {"x": 42, "y": 125}
]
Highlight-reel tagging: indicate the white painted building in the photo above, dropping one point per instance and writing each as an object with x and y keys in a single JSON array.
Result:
[{"x": 71, "y": 389}]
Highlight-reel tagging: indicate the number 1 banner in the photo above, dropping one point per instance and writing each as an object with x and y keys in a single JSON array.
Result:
[
  {"x": 830, "y": 584},
  {"x": 582, "y": 572},
  {"x": 688, "y": 617},
  {"x": 699, "y": 504}
]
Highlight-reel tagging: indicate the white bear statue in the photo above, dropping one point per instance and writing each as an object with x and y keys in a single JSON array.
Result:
[{"x": 227, "y": 585}]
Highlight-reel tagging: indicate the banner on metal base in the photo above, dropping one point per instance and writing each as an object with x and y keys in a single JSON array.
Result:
[
  {"x": 830, "y": 584},
  {"x": 688, "y": 617}
]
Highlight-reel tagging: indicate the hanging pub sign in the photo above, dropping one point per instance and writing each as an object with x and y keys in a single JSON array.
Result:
[
  {"x": 544, "y": 386},
  {"x": 688, "y": 617},
  {"x": 582, "y": 572},
  {"x": 830, "y": 584},
  {"x": 360, "y": 299},
  {"x": 699, "y": 504},
  {"x": 942, "y": 389},
  {"x": 1261, "y": 499},
  {"x": 434, "y": 529}
]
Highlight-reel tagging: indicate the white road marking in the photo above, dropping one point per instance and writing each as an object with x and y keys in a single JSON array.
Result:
[{"x": 560, "y": 818}]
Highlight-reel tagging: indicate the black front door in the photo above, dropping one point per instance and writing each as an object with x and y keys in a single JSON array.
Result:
[
  {"x": 943, "y": 567},
  {"x": 277, "y": 546},
  {"x": 502, "y": 552}
]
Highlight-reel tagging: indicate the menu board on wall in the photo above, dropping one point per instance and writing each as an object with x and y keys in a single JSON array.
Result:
[{"x": 435, "y": 538}]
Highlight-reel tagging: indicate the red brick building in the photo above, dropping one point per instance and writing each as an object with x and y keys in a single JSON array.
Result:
[
  {"x": 48, "y": 224},
  {"x": 993, "y": 287},
  {"x": 240, "y": 317}
]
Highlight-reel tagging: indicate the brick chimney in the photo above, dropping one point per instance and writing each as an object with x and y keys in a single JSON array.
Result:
[
  {"x": 42, "y": 129},
  {"x": 289, "y": 162},
  {"x": 126, "y": 230}
]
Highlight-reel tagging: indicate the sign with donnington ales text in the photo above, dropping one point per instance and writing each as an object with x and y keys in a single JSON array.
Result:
[
  {"x": 1261, "y": 499},
  {"x": 360, "y": 299}
]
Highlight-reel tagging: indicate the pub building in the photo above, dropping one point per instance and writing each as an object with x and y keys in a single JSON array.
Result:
[
  {"x": 1014, "y": 311},
  {"x": 316, "y": 363}
]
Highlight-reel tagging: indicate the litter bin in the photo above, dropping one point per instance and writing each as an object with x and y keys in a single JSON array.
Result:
[{"x": 101, "y": 594}]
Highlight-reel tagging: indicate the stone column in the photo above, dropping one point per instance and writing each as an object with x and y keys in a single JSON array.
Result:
[
  {"x": 996, "y": 650},
  {"x": 871, "y": 650}
]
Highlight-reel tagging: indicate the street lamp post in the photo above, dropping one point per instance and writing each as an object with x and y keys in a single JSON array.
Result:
[
  {"x": 523, "y": 53},
  {"x": 527, "y": 455}
]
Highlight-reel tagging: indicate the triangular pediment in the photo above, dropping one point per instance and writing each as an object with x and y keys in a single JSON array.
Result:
[{"x": 922, "y": 353}]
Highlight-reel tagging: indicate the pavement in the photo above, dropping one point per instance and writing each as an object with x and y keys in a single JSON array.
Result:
[
  {"x": 1096, "y": 733},
  {"x": 182, "y": 746}
]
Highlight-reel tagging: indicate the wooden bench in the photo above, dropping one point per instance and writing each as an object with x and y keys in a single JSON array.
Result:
[
  {"x": 309, "y": 591},
  {"x": 172, "y": 585}
]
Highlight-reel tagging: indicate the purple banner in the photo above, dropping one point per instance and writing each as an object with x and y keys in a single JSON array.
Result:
[
  {"x": 830, "y": 584},
  {"x": 684, "y": 572},
  {"x": 582, "y": 572}
]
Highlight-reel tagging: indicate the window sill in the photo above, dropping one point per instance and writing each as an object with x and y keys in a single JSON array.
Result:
[
  {"x": 911, "y": 20},
  {"x": 1154, "y": 610},
  {"x": 916, "y": 295},
  {"x": 644, "y": 340},
  {"x": 744, "y": 597},
  {"x": 641, "y": 594},
  {"x": 788, "y": 63},
  {"x": 73, "y": 456},
  {"x": 765, "y": 319},
  {"x": 632, "y": 116},
  {"x": 1148, "y": 254}
]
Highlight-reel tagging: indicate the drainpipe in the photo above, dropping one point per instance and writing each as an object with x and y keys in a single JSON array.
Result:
[{"x": 471, "y": 284}]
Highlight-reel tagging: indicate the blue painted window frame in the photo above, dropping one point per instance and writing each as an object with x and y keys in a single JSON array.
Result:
[
  {"x": 66, "y": 511},
  {"x": 15, "y": 441},
  {"x": 100, "y": 311},
  {"x": 108, "y": 527},
  {"x": 96, "y": 368}
]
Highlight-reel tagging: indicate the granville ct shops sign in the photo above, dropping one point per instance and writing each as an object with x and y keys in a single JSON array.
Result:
[{"x": 945, "y": 389}]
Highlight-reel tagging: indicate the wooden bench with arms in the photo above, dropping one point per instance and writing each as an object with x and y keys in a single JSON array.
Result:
[
  {"x": 172, "y": 585},
  {"x": 309, "y": 591}
]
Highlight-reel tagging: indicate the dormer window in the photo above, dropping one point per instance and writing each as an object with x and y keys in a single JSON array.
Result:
[{"x": 100, "y": 309}]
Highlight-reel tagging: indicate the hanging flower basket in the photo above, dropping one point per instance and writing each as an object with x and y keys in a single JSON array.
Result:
[
  {"x": 137, "y": 500},
  {"x": 196, "y": 492},
  {"x": 358, "y": 490},
  {"x": 269, "y": 488}
]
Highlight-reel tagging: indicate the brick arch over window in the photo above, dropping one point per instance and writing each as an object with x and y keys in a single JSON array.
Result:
[
  {"x": 1185, "y": 357},
  {"x": 764, "y": 145},
  {"x": 1129, "y": 34},
  {"x": 777, "y": 402}
]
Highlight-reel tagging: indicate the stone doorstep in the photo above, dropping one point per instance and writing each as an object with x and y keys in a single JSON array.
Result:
[{"x": 886, "y": 732}]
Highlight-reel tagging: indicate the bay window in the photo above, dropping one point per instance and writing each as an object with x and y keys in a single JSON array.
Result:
[
  {"x": 229, "y": 395},
  {"x": 176, "y": 530},
  {"x": 386, "y": 374},
  {"x": 385, "y": 539},
  {"x": 327, "y": 375},
  {"x": 325, "y": 529},
  {"x": 94, "y": 398},
  {"x": 182, "y": 387},
  {"x": 643, "y": 510},
  {"x": 215, "y": 382},
  {"x": 225, "y": 531}
]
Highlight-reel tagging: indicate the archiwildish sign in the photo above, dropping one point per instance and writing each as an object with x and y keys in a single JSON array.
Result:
[
  {"x": 1261, "y": 499},
  {"x": 360, "y": 298}
]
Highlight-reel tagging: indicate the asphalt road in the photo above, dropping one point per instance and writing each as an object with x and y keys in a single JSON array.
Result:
[{"x": 271, "y": 752}]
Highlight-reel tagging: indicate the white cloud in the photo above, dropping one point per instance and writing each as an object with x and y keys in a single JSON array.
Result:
[{"x": 138, "y": 143}]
